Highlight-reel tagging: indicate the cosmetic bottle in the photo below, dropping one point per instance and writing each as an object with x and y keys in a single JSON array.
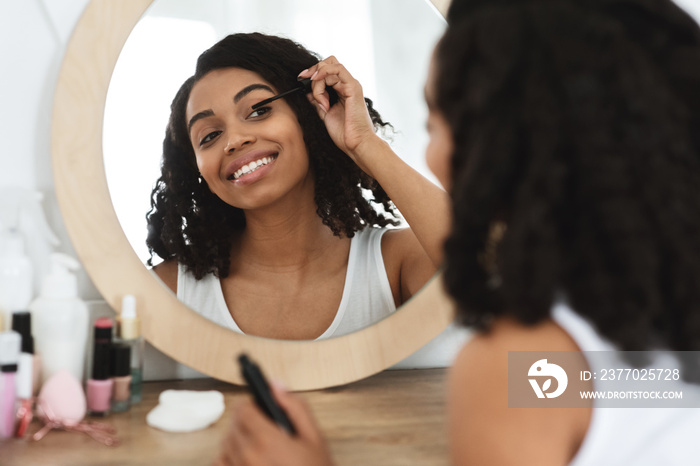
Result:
[
  {"x": 29, "y": 373},
  {"x": 27, "y": 377},
  {"x": 99, "y": 387},
  {"x": 129, "y": 332},
  {"x": 21, "y": 211},
  {"x": 16, "y": 277},
  {"x": 120, "y": 370},
  {"x": 60, "y": 320},
  {"x": 10, "y": 343}
]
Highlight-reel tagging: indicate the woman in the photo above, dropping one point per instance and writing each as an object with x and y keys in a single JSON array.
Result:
[
  {"x": 272, "y": 221},
  {"x": 576, "y": 220}
]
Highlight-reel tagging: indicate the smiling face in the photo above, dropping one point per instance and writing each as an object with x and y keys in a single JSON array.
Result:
[{"x": 249, "y": 158}]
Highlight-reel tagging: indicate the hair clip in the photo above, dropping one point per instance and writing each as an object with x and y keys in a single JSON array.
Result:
[{"x": 302, "y": 85}]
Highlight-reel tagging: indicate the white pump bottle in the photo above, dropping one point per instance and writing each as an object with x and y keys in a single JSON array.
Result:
[
  {"x": 15, "y": 276},
  {"x": 60, "y": 320}
]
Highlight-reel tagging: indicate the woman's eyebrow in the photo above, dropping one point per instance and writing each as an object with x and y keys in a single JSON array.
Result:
[
  {"x": 198, "y": 116},
  {"x": 248, "y": 89}
]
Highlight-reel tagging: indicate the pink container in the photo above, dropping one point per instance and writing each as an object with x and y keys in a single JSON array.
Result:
[{"x": 99, "y": 396}]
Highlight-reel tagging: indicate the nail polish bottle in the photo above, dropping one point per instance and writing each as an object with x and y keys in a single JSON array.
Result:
[
  {"x": 10, "y": 343},
  {"x": 99, "y": 387},
  {"x": 120, "y": 368}
]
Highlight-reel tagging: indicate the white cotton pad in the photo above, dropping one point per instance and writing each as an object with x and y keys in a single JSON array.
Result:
[{"x": 186, "y": 410}]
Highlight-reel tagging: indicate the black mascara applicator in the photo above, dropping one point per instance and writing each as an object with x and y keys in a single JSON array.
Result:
[{"x": 302, "y": 85}]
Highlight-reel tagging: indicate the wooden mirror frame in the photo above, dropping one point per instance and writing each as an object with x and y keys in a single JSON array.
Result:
[{"x": 115, "y": 269}]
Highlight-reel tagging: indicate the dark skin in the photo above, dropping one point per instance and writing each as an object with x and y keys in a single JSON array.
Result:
[
  {"x": 286, "y": 264},
  {"x": 255, "y": 440},
  {"x": 482, "y": 429}
]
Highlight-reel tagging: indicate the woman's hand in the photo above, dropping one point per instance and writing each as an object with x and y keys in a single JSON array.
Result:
[
  {"x": 348, "y": 121},
  {"x": 253, "y": 439}
]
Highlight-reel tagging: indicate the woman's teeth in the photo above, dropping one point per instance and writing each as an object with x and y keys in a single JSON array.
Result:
[{"x": 252, "y": 166}]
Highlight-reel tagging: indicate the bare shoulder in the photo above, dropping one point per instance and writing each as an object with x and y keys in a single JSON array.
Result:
[
  {"x": 400, "y": 240},
  {"x": 483, "y": 429},
  {"x": 167, "y": 272},
  {"x": 407, "y": 264},
  {"x": 395, "y": 242}
]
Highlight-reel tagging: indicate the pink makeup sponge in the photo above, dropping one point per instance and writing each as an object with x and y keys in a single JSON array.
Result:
[{"x": 62, "y": 399}]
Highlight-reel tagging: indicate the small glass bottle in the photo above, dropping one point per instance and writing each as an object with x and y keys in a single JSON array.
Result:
[
  {"x": 120, "y": 370},
  {"x": 129, "y": 332}
]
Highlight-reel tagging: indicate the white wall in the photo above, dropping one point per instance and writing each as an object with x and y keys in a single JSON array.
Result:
[
  {"x": 33, "y": 37},
  {"x": 691, "y": 6}
]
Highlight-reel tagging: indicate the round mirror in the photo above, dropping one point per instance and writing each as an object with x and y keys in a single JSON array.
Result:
[
  {"x": 117, "y": 268},
  {"x": 377, "y": 41}
]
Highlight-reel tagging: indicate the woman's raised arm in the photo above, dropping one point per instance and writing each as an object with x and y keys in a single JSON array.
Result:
[{"x": 424, "y": 205}]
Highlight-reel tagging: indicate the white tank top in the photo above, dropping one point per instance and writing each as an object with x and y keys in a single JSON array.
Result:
[
  {"x": 633, "y": 436},
  {"x": 366, "y": 299}
]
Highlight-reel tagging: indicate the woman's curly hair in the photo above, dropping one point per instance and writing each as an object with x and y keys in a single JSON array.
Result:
[
  {"x": 568, "y": 132},
  {"x": 189, "y": 223}
]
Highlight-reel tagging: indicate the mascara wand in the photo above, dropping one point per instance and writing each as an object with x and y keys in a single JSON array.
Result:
[{"x": 303, "y": 85}]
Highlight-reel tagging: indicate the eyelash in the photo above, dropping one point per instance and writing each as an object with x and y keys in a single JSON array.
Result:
[
  {"x": 209, "y": 137},
  {"x": 262, "y": 111}
]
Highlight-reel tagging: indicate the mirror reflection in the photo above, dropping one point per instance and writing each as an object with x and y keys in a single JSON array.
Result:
[{"x": 281, "y": 221}]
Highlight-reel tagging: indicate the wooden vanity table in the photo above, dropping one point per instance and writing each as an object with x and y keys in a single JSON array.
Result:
[{"x": 393, "y": 418}]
